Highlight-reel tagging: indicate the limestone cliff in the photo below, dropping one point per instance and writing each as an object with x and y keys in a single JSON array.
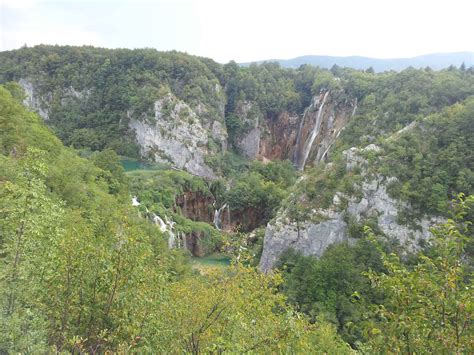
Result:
[
  {"x": 180, "y": 135},
  {"x": 42, "y": 103}
]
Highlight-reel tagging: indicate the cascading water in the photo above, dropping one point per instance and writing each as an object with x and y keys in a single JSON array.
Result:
[
  {"x": 217, "y": 216},
  {"x": 166, "y": 227},
  {"x": 314, "y": 133},
  {"x": 159, "y": 221},
  {"x": 135, "y": 201},
  {"x": 322, "y": 156},
  {"x": 183, "y": 240},
  {"x": 355, "y": 107},
  {"x": 171, "y": 237},
  {"x": 171, "y": 240}
]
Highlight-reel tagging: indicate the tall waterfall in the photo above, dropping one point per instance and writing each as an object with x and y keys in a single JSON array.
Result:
[
  {"x": 355, "y": 107},
  {"x": 184, "y": 244},
  {"x": 314, "y": 133},
  {"x": 321, "y": 157},
  {"x": 171, "y": 240},
  {"x": 217, "y": 216}
]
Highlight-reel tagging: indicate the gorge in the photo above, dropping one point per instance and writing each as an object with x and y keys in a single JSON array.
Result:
[{"x": 162, "y": 202}]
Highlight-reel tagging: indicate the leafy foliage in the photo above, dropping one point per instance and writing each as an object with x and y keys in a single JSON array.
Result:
[
  {"x": 333, "y": 288},
  {"x": 432, "y": 167},
  {"x": 236, "y": 310},
  {"x": 82, "y": 272},
  {"x": 428, "y": 307}
]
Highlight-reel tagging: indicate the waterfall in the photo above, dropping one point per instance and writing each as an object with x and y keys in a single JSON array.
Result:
[
  {"x": 217, "y": 216},
  {"x": 298, "y": 137},
  {"x": 171, "y": 240},
  {"x": 309, "y": 142},
  {"x": 159, "y": 221},
  {"x": 321, "y": 158},
  {"x": 183, "y": 241},
  {"x": 355, "y": 108},
  {"x": 135, "y": 201},
  {"x": 166, "y": 227},
  {"x": 171, "y": 237}
]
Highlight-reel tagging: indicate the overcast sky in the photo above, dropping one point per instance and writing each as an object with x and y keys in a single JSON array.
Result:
[{"x": 245, "y": 30}]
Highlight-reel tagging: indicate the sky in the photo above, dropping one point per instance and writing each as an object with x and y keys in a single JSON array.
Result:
[{"x": 245, "y": 30}]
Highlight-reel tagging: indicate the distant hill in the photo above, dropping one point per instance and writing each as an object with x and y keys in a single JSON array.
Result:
[{"x": 434, "y": 61}]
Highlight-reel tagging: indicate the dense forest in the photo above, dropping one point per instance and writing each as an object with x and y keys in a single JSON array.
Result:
[{"x": 85, "y": 270}]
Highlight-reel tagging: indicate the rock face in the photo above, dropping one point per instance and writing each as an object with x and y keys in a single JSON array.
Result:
[
  {"x": 33, "y": 101},
  {"x": 313, "y": 238},
  {"x": 251, "y": 117},
  {"x": 321, "y": 124},
  {"x": 42, "y": 104},
  {"x": 203, "y": 208},
  {"x": 308, "y": 238},
  {"x": 301, "y": 139},
  {"x": 179, "y": 135},
  {"x": 279, "y": 138},
  {"x": 196, "y": 206}
]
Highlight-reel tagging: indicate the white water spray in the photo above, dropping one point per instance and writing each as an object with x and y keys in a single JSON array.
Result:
[
  {"x": 217, "y": 216},
  {"x": 135, "y": 201},
  {"x": 166, "y": 226}
]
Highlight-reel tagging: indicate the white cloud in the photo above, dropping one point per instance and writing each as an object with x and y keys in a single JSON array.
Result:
[{"x": 245, "y": 30}]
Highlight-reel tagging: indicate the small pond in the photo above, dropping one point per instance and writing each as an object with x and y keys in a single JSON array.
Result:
[{"x": 213, "y": 260}]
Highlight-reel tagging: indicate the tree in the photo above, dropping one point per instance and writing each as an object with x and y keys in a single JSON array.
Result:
[
  {"x": 235, "y": 310},
  {"x": 429, "y": 307},
  {"x": 30, "y": 225}
]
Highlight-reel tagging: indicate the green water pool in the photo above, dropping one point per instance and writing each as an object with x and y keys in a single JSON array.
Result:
[
  {"x": 133, "y": 164},
  {"x": 212, "y": 260}
]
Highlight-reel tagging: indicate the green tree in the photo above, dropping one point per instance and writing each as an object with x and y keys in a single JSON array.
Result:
[
  {"x": 429, "y": 307},
  {"x": 235, "y": 310}
]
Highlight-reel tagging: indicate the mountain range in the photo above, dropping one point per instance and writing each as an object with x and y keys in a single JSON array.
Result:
[{"x": 434, "y": 61}]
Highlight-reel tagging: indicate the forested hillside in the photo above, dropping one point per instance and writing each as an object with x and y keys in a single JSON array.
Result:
[{"x": 342, "y": 198}]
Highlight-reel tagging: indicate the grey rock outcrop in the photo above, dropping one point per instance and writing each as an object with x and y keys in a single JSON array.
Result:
[
  {"x": 249, "y": 141},
  {"x": 177, "y": 134},
  {"x": 309, "y": 238},
  {"x": 42, "y": 104},
  {"x": 33, "y": 101}
]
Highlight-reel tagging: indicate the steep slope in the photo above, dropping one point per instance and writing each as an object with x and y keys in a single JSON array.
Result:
[
  {"x": 409, "y": 174},
  {"x": 75, "y": 256},
  {"x": 208, "y": 119}
]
